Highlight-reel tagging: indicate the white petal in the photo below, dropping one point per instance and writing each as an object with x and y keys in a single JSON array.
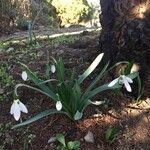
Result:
[
  {"x": 129, "y": 79},
  {"x": 53, "y": 69},
  {"x": 127, "y": 85},
  {"x": 135, "y": 68},
  {"x": 12, "y": 108},
  {"x": 58, "y": 105},
  {"x": 17, "y": 112},
  {"x": 23, "y": 108},
  {"x": 112, "y": 83},
  {"x": 24, "y": 75}
]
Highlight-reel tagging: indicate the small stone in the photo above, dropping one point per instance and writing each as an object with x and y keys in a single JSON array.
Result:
[
  {"x": 52, "y": 139},
  {"x": 10, "y": 49},
  {"x": 89, "y": 137}
]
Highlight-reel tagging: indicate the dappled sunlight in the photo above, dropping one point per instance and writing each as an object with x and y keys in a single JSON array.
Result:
[
  {"x": 65, "y": 2},
  {"x": 141, "y": 129},
  {"x": 139, "y": 11},
  {"x": 135, "y": 109},
  {"x": 46, "y": 35}
]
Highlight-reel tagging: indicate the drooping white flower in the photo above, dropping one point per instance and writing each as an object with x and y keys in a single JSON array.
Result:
[
  {"x": 16, "y": 108},
  {"x": 53, "y": 69},
  {"x": 58, "y": 105},
  {"x": 24, "y": 75},
  {"x": 135, "y": 68},
  {"x": 123, "y": 80}
]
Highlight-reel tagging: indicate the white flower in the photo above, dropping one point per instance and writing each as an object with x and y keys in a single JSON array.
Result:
[
  {"x": 16, "y": 109},
  {"x": 135, "y": 68},
  {"x": 53, "y": 69},
  {"x": 58, "y": 105},
  {"x": 123, "y": 80},
  {"x": 24, "y": 75}
]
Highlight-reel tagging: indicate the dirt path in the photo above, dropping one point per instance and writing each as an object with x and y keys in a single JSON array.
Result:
[{"x": 44, "y": 32}]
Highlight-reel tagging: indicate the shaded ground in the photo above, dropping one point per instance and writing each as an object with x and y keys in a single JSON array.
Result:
[{"x": 131, "y": 119}]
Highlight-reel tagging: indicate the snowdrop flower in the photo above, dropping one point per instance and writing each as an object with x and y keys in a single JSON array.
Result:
[
  {"x": 53, "y": 69},
  {"x": 58, "y": 105},
  {"x": 16, "y": 109},
  {"x": 24, "y": 75},
  {"x": 123, "y": 80},
  {"x": 135, "y": 68}
]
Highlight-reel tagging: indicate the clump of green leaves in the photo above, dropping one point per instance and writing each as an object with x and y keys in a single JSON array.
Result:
[
  {"x": 66, "y": 91},
  {"x": 71, "y": 145}
]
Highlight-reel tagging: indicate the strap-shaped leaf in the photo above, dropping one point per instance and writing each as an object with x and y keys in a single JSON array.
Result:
[
  {"x": 61, "y": 139},
  {"x": 38, "y": 116},
  {"x": 78, "y": 115},
  {"x": 91, "y": 68},
  {"x": 60, "y": 70},
  {"x": 48, "y": 71},
  {"x": 101, "y": 89},
  {"x": 133, "y": 75},
  {"x": 96, "y": 79},
  {"x": 38, "y": 82}
]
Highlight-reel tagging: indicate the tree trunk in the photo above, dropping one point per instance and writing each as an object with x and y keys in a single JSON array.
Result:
[{"x": 126, "y": 30}]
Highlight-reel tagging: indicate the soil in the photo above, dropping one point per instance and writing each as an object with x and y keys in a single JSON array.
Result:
[{"x": 132, "y": 119}]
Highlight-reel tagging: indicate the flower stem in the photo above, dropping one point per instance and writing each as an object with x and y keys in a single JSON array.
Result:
[{"x": 28, "y": 86}]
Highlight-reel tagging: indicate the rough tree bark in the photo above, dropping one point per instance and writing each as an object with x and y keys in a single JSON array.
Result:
[{"x": 126, "y": 30}]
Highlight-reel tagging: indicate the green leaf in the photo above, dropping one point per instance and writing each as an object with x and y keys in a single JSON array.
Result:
[
  {"x": 128, "y": 68},
  {"x": 101, "y": 89},
  {"x": 72, "y": 79},
  {"x": 75, "y": 98},
  {"x": 73, "y": 145},
  {"x": 38, "y": 82},
  {"x": 60, "y": 70},
  {"x": 38, "y": 116},
  {"x": 133, "y": 75},
  {"x": 91, "y": 68},
  {"x": 61, "y": 139},
  {"x": 108, "y": 133},
  {"x": 111, "y": 133},
  {"x": 117, "y": 64},
  {"x": 78, "y": 115},
  {"x": 48, "y": 70},
  {"x": 96, "y": 79}
]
